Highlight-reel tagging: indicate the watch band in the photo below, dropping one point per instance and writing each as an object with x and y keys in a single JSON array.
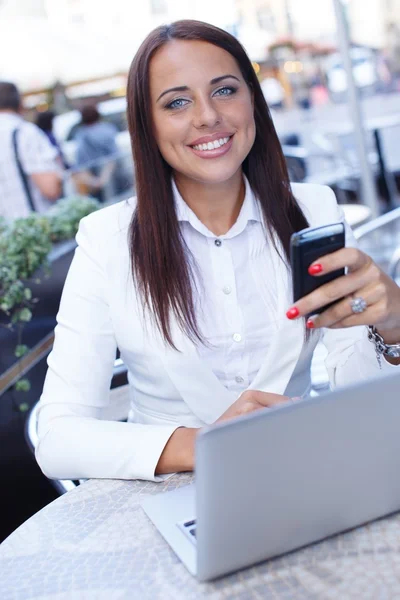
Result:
[{"x": 392, "y": 350}]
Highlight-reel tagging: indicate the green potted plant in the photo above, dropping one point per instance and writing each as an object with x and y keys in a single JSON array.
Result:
[{"x": 24, "y": 248}]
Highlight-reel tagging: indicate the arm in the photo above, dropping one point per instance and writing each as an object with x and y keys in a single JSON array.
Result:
[
  {"x": 49, "y": 184},
  {"x": 351, "y": 356},
  {"x": 178, "y": 454},
  {"x": 74, "y": 441},
  {"x": 39, "y": 159}
]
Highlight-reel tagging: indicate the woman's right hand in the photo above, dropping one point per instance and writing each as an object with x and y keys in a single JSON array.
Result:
[
  {"x": 179, "y": 452},
  {"x": 252, "y": 400}
]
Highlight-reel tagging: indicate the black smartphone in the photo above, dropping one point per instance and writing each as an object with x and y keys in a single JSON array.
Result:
[{"x": 306, "y": 247}]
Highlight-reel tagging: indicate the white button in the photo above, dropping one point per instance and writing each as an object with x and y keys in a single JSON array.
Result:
[
  {"x": 227, "y": 289},
  {"x": 239, "y": 379},
  {"x": 237, "y": 337}
]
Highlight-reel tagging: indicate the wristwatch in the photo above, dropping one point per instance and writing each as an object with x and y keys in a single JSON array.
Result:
[{"x": 392, "y": 350}]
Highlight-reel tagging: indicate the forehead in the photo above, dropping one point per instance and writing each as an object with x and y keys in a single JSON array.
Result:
[{"x": 181, "y": 62}]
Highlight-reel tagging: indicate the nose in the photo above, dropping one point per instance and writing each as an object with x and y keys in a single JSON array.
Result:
[{"x": 205, "y": 114}]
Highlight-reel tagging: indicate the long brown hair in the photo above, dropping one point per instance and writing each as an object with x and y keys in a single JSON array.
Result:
[{"x": 160, "y": 261}]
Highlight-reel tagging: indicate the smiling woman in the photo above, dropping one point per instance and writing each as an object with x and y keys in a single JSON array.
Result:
[
  {"x": 190, "y": 280},
  {"x": 191, "y": 84}
]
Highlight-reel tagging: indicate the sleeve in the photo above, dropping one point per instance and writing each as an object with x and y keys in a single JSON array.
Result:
[
  {"x": 75, "y": 442},
  {"x": 38, "y": 155},
  {"x": 351, "y": 356}
]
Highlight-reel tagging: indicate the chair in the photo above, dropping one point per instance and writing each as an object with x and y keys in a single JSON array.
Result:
[{"x": 118, "y": 412}]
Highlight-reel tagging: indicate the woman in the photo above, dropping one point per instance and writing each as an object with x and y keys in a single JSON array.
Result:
[
  {"x": 191, "y": 279},
  {"x": 96, "y": 152}
]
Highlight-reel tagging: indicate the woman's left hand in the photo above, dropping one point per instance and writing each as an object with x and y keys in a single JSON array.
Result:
[{"x": 364, "y": 280}]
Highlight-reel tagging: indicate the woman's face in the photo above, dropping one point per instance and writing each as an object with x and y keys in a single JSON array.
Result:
[{"x": 202, "y": 111}]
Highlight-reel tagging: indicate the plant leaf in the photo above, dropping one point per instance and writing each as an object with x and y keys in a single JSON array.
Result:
[
  {"x": 21, "y": 350},
  {"x": 23, "y": 385}
]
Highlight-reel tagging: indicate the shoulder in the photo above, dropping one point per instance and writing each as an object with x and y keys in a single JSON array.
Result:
[
  {"x": 37, "y": 152},
  {"x": 107, "y": 224},
  {"x": 32, "y": 131},
  {"x": 318, "y": 202}
]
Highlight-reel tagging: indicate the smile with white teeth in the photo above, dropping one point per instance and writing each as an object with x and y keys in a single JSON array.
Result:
[{"x": 212, "y": 145}]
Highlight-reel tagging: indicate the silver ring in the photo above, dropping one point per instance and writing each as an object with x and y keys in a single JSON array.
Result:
[{"x": 358, "y": 305}]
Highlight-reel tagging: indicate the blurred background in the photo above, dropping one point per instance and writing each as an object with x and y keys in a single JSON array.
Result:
[
  {"x": 65, "y": 54},
  {"x": 330, "y": 72}
]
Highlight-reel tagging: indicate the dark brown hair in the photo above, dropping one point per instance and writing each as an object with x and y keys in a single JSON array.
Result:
[
  {"x": 89, "y": 114},
  {"x": 10, "y": 98},
  {"x": 161, "y": 263}
]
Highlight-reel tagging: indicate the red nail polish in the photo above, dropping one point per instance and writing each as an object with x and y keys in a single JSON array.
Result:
[
  {"x": 292, "y": 313},
  {"x": 314, "y": 269},
  {"x": 310, "y": 324}
]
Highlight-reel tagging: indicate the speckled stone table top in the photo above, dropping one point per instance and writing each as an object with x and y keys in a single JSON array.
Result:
[{"x": 96, "y": 543}]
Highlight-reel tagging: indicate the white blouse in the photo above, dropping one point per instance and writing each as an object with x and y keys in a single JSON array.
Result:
[{"x": 237, "y": 304}]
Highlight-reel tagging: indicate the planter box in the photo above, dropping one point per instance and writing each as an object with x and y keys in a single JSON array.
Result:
[{"x": 43, "y": 321}]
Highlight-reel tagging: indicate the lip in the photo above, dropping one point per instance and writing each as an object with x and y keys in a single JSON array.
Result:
[
  {"x": 211, "y": 138},
  {"x": 216, "y": 153}
]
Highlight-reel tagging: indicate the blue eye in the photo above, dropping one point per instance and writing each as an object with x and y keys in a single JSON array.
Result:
[
  {"x": 178, "y": 103},
  {"x": 226, "y": 91}
]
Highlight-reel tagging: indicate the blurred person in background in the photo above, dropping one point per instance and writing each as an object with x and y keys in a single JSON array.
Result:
[
  {"x": 302, "y": 92},
  {"x": 30, "y": 178},
  {"x": 95, "y": 141},
  {"x": 273, "y": 92},
  {"x": 44, "y": 120}
]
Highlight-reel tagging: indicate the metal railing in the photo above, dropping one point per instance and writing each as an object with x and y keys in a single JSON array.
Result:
[{"x": 380, "y": 239}]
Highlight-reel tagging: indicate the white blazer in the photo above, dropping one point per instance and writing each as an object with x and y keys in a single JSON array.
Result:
[{"x": 101, "y": 310}]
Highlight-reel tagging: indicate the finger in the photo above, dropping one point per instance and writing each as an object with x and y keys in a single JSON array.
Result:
[
  {"x": 333, "y": 291},
  {"x": 342, "y": 310},
  {"x": 352, "y": 258},
  {"x": 374, "y": 318}
]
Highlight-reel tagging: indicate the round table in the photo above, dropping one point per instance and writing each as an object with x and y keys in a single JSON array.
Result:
[{"x": 96, "y": 543}]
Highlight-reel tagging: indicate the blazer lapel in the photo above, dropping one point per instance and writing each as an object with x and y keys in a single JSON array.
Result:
[
  {"x": 205, "y": 395},
  {"x": 286, "y": 345},
  {"x": 280, "y": 360}
]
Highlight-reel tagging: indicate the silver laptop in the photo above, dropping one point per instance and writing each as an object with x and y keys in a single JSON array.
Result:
[{"x": 282, "y": 478}]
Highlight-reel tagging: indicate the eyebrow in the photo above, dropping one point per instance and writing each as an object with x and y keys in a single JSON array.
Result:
[{"x": 184, "y": 88}]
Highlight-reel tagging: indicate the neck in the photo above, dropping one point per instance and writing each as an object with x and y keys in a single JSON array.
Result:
[{"x": 217, "y": 206}]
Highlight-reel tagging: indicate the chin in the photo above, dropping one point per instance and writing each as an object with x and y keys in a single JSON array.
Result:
[{"x": 215, "y": 175}]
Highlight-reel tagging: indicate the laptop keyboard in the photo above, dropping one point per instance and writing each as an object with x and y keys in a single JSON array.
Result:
[{"x": 189, "y": 528}]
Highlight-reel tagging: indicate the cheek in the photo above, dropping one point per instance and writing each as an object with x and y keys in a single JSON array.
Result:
[
  {"x": 249, "y": 125},
  {"x": 245, "y": 117},
  {"x": 169, "y": 133}
]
